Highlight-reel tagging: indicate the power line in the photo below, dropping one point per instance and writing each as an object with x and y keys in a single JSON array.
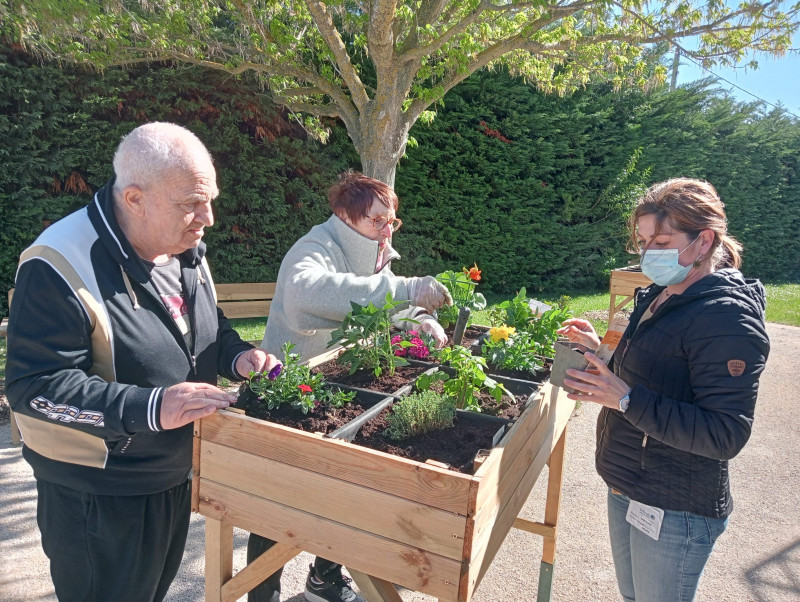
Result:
[{"x": 738, "y": 87}]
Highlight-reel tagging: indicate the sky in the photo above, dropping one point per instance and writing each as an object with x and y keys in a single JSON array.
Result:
[{"x": 776, "y": 79}]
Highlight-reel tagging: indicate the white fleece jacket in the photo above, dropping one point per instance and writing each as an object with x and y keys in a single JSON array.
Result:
[{"x": 321, "y": 274}]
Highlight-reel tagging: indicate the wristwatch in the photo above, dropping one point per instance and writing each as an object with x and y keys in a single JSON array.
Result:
[{"x": 623, "y": 403}]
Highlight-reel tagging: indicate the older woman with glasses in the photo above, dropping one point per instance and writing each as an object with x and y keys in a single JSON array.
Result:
[{"x": 345, "y": 259}]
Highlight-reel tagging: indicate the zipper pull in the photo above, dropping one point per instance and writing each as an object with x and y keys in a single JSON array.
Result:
[
  {"x": 644, "y": 440},
  {"x": 194, "y": 364}
]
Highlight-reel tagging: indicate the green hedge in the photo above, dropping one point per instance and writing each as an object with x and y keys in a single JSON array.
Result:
[{"x": 533, "y": 188}]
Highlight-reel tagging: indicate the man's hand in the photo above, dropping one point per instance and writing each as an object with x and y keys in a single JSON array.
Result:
[
  {"x": 255, "y": 360},
  {"x": 428, "y": 293},
  {"x": 186, "y": 402},
  {"x": 430, "y": 325}
]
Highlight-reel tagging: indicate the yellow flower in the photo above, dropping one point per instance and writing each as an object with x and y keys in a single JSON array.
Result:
[{"x": 501, "y": 332}]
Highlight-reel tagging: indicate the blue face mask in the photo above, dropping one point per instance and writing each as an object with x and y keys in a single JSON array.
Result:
[{"x": 662, "y": 266}]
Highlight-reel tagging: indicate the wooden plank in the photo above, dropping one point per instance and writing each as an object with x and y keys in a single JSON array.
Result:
[
  {"x": 508, "y": 514},
  {"x": 411, "y": 523},
  {"x": 523, "y": 524},
  {"x": 532, "y": 421},
  {"x": 553, "y": 503},
  {"x": 258, "y": 570},
  {"x": 219, "y": 557},
  {"x": 386, "y": 559},
  {"x": 245, "y": 309},
  {"x": 428, "y": 485},
  {"x": 241, "y": 291},
  {"x": 374, "y": 589},
  {"x": 196, "y": 443},
  {"x": 506, "y": 487}
]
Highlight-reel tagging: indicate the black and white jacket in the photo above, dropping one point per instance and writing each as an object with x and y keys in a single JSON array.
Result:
[{"x": 91, "y": 348}]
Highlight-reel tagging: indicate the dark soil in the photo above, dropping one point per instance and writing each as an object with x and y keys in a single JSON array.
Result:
[
  {"x": 507, "y": 407},
  {"x": 455, "y": 446},
  {"x": 322, "y": 419},
  {"x": 336, "y": 373},
  {"x": 538, "y": 377}
]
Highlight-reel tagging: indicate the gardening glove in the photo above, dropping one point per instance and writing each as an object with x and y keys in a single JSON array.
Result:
[
  {"x": 430, "y": 325},
  {"x": 428, "y": 293}
]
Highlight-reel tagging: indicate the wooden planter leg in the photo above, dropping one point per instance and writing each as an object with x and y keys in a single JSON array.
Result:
[
  {"x": 373, "y": 589},
  {"x": 551, "y": 509},
  {"x": 219, "y": 557}
]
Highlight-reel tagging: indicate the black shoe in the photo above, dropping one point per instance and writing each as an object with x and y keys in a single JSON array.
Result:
[{"x": 329, "y": 587}]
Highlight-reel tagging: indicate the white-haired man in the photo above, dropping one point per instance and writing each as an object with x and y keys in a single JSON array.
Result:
[{"x": 115, "y": 344}]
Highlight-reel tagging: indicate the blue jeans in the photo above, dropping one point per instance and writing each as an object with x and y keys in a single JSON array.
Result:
[{"x": 667, "y": 570}]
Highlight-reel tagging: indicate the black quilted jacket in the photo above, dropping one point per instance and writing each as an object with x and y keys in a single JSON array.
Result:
[{"x": 693, "y": 368}]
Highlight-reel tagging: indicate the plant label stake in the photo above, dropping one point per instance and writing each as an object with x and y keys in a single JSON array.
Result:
[{"x": 461, "y": 325}]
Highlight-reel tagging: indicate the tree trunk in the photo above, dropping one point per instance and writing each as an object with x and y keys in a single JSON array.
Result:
[{"x": 382, "y": 139}]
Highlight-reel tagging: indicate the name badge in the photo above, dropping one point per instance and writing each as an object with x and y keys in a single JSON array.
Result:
[{"x": 645, "y": 518}]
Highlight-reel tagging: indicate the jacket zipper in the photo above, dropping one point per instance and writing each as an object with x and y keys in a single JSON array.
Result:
[{"x": 641, "y": 453}]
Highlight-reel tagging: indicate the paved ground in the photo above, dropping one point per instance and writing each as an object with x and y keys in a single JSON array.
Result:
[{"x": 757, "y": 559}]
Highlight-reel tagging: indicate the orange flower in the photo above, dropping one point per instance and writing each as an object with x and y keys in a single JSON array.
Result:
[
  {"x": 304, "y": 388},
  {"x": 474, "y": 273}
]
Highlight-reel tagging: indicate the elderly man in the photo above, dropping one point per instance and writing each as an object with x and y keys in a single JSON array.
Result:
[{"x": 115, "y": 343}]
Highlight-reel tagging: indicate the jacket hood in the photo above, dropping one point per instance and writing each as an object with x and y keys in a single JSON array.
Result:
[
  {"x": 104, "y": 219},
  {"x": 727, "y": 282}
]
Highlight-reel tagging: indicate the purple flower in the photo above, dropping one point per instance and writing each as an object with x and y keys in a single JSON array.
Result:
[{"x": 275, "y": 372}]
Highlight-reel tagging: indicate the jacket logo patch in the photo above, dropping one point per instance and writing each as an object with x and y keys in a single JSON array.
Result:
[
  {"x": 736, "y": 367},
  {"x": 64, "y": 413}
]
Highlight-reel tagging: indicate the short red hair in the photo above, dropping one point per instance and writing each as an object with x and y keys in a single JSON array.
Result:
[{"x": 353, "y": 195}]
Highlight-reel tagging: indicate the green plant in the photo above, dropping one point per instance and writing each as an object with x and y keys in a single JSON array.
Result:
[
  {"x": 365, "y": 335},
  {"x": 508, "y": 349},
  {"x": 541, "y": 327},
  {"x": 462, "y": 288},
  {"x": 469, "y": 379},
  {"x": 294, "y": 385},
  {"x": 420, "y": 413}
]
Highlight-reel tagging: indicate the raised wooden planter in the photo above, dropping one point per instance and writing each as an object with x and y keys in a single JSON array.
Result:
[
  {"x": 624, "y": 283},
  {"x": 386, "y": 518}
]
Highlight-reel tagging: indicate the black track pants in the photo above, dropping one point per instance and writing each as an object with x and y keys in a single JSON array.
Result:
[
  {"x": 269, "y": 590},
  {"x": 121, "y": 548}
]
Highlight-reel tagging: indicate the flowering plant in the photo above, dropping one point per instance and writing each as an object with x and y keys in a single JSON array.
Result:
[
  {"x": 462, "y": 288},
  {"x": 413, "y": 343},
  {"x": 365, "y": 335},
  {"x": 507, "y": 349},
  {"x": 468, "y": 381},
  {"x": 524, "y": 315},
  {"x": 293, "y": 384}
]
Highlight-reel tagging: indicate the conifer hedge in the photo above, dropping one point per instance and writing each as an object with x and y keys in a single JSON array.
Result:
[{"x": 532, "y": 188}]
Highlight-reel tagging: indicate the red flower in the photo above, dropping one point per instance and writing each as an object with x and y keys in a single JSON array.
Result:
[
  {"x": 304, "y": 388},
  {"x": 474, "y": 273}
]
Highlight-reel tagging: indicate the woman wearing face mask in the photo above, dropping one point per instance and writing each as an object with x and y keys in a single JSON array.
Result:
[{"x": 679, "y": 393}]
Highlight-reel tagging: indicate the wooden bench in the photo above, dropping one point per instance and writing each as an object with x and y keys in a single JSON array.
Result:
[
  {"x": 238, "y": 300},
  {"x": 245, "y": 299}
]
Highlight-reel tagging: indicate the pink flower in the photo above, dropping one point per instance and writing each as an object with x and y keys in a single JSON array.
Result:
[
  {"x": 413, "y": 333},
  {"x": 418, "y": 352},
  {"x": 417, "y": 342},
  {"x": 396, "y": 339},
  {"x": 401, "y": 352}
]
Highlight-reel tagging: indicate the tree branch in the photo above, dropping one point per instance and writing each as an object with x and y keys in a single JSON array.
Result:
[{"x": 328, "y": 30}]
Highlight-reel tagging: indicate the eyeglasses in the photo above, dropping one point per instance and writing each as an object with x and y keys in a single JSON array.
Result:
[{"x": 380, "y": 222}]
